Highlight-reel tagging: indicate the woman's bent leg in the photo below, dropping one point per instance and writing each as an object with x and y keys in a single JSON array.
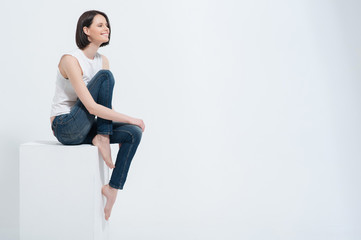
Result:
[
  {"x": 74, "y": 127},
  {"x": 101, "y": 88},
  {"x": 129, "y": 136}
]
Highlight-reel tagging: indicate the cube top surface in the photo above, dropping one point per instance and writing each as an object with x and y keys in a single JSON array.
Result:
[{"x": 55, "y": 144}]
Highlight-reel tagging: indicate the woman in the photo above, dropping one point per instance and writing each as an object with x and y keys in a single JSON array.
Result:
[{"x": 84, "y": 89}]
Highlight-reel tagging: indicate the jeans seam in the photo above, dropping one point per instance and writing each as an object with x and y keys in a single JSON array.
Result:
[
  {"x": 126, "y": 161},
  {"x": 130, "y": 148},
  {"x": 130, "y": 133}
]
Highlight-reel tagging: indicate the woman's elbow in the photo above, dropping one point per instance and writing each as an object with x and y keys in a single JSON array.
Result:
[{"x": 92, "y": 109}]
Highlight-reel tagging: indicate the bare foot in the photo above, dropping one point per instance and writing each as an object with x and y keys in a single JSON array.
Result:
[
  {"x": 111, "y": 194},
  {"x": 103, "y": 144}
]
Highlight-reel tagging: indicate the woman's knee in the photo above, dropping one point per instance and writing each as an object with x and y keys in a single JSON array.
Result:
[
  {"x": 108, "y": 74},
  {"x": 105, "y": 71},
  {"x": 136, "y": 133}
]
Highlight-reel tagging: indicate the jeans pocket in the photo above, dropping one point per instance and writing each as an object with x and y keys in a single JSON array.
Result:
[
  {"x": 57, "y": 122},
  {"x": 68, "y": 132}
]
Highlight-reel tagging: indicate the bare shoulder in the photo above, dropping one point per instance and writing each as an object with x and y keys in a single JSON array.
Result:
[
  {"x": 67, "y": 63},
  {"x": 67, "y": 59},
  {"x": 105, "y": 62}
]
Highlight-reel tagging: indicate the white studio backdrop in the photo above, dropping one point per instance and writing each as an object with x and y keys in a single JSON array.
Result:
[{"x": 252, "y": 113}]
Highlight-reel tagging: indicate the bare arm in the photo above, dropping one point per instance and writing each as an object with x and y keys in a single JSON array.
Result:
[{"x": 72, "y": 69}]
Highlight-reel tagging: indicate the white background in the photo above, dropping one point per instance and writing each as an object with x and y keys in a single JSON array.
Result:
[{"x": 252, "y": 113}]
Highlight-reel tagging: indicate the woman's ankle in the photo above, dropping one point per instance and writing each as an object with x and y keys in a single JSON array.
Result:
[{"x": 111, "y": 188}]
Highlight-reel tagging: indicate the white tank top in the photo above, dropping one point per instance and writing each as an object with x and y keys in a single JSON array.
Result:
[{"x": 65, "y": 96}]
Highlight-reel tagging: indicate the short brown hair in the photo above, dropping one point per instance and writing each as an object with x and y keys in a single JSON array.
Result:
[{"x": 85, "y": 20}]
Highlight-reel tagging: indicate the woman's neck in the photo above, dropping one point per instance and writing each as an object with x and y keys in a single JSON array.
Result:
[{"x": 90, "y": 50}]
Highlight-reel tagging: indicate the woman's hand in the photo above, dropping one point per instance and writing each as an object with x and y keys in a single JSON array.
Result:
[{"x": 138, "y": 122}]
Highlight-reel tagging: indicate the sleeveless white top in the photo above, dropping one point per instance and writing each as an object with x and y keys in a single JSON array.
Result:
[{"x": 65, "y": 96}]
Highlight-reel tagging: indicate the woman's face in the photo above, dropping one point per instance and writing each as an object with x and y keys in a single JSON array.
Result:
[{"x": 98, "y": 31}]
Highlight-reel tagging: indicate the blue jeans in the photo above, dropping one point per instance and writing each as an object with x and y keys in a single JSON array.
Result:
[{"x": 80, "y": 127}]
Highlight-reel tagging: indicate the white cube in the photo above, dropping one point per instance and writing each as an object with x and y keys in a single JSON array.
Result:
[{"x": 60, "y": 192}]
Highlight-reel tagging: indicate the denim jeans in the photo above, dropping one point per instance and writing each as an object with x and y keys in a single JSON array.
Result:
[{"x": 80, "y": 127}]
